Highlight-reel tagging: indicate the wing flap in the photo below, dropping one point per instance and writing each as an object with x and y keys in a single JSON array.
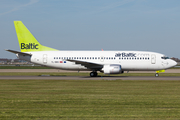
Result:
[{"x": 87, "y": 64}]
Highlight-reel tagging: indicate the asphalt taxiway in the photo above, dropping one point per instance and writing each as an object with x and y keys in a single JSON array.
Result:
[
  {"x": 83, "y": 77},
  {"x": 65, "y": 71},
  {"x": 86, "y": 78}
]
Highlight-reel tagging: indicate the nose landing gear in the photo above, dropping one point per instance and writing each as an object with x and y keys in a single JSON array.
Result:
[
  {"x": 159, "y": 71},
  {"x": 156, "y": 75}
]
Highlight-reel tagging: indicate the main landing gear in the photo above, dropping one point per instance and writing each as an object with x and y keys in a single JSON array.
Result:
[{"x": 93, "y": 74}]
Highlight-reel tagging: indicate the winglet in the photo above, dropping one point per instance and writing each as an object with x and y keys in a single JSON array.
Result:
[{"x": 27, "y": 42}]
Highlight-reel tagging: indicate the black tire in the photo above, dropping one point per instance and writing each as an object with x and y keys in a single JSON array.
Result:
[
  {"x": 156, "y": 75},
  {"x": 93, "y": 74}
]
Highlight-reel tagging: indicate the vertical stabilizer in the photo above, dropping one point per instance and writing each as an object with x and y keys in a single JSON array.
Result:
[{"x": 27, "y": 42}]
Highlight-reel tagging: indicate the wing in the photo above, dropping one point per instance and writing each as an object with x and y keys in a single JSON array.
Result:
[{"x": 93, "y": 66}]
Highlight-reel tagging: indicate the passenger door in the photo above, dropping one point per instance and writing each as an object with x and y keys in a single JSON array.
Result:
[{"x": 45, "y": 58}]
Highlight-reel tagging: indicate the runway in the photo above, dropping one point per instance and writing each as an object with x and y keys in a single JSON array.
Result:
[{"x": 85, "y": 78}]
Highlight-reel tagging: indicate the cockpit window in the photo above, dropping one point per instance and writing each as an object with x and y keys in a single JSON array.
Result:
[{"x": 164, "y": 57}]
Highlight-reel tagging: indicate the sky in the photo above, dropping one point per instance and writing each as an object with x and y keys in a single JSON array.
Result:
[{"x": 141, "y": 25}]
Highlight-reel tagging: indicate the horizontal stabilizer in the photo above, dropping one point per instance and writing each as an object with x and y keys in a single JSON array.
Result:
[{"x": 17, "y": 52}]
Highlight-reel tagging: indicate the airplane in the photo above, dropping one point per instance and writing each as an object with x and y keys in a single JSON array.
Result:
[{"x": 107, "y": 62}]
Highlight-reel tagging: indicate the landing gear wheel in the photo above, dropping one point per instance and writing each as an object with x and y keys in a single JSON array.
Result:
[
  {"x": 156, "y": 75},
  {"x": 93, "y": 74}
]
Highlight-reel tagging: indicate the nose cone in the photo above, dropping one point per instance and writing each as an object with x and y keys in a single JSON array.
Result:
[{"x": 172, "y": 63}]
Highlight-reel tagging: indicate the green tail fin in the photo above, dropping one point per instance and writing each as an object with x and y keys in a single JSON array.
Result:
[{"x": 27, "y": 42}]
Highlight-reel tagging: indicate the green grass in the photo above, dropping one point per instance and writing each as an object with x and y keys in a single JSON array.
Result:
[
  {"x": 81, "y": 74},
  {"x": 89, "y": 99},
  {"x": 175, "y": 68}
]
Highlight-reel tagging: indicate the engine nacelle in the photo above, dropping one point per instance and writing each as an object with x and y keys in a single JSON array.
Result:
[{"x": 112, "y": 69}]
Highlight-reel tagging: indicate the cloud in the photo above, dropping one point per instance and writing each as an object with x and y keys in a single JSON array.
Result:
[{"x": 19, "y": 7}]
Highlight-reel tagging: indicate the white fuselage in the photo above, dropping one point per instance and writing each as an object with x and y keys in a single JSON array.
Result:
[{"x": 129, "y": 60}]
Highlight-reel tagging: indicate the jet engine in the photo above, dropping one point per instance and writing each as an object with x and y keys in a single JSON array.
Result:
[{"x": 112, "y": 69}]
